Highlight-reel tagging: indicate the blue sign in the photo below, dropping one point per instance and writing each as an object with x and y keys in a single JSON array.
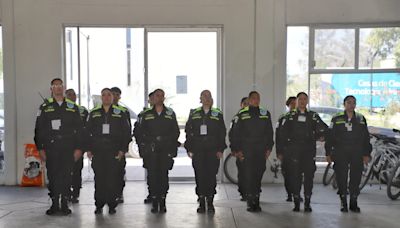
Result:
[{"x": 380, "y": 89}]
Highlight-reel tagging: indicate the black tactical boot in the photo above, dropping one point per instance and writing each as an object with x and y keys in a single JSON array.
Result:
[
  {"x": 289, "y": 198},
  {"x": 202, "y": 205},
  {"x": 353, "y": 205},
  {"x": 296, "y": 200},
  {"x": 148, "y": 200},
  {"x": 307, "y": 202},
  {"x": 256, "y": 204},
  {"x": 210, "y": 204},
  {"x": 343, "y": 200},
  {"x": 250, "y": 203},
  {"x": 64, "y": 206},
  {"x": 154, "y": 204},
  {"x": 55, "y": 206},
  {"x": 161, "y": 202}
]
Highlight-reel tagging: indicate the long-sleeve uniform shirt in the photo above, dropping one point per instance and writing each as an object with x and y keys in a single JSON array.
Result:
[
  {"x": 58, "y": 122},
  {"x": 252, "y": 126},
  {"x": 109, "y": 128},
  {"x": 205, "y": 128},
  {"x": 345, "y": 133}
]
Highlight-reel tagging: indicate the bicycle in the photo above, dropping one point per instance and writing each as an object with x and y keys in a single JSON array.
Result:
[
  {"x": 393, "y": 185},
  {"x": 329, "y": 176},
  {"x": 231, "y": 172},
  {"x": 385, "y": 156}
]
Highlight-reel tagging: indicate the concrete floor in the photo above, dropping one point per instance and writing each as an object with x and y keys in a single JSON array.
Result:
[{"x": 25, "y": 207}]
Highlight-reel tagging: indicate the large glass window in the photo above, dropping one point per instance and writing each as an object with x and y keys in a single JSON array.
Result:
[
  {"x": 380, "y": 48},
  {"x": 181, "y": 61},
  {"x": 334, "y": 48},
  {"x": 331, "y": 62},
  {"x": 297, "y": 60},
  {"x": 377, "y": 95}
]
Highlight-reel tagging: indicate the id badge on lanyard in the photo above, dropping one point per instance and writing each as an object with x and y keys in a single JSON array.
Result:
[
  {"x": 106, "y": 129},
  {"x": 349, "y": 126},
  {"x": 203, "y": 129}
]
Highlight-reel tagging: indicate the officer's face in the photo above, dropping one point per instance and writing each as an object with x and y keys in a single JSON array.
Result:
[
  {"x": 71, "y": 95},
  {"x": 350, "y": 104},
  {"x": 106, "y": 97},
  {"x": 151, "y": 100},
  {"x": 206, "y": 98},
  {"x": 57, "y": 88},
  {"x": 117, "y": 97},
  {"x": 245, "y": 103},
  {"x": 302, "y": 101},
  {"x": 254, "y": 100},
  {"x": 292, "y": 104},
  {"x": 158, "y": 97}
]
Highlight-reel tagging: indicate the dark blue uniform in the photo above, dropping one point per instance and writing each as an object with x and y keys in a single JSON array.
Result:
[
  {"x": 299, "y": 134},
  {"x": 109, "y": 133},
  {"x": 158, "y": 133},
  {"x": 205, "y": 136},
  {"x": 58, "y": 131},
  {"x": 253, "y": 135},
  {"x": 347, "y": 142}
]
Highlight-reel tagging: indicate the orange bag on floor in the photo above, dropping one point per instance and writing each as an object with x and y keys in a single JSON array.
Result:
[{"x": 33, "y": 170}]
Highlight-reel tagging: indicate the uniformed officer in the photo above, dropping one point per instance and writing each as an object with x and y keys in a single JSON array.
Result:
[
  {"x": 285, "y": 164},
  {"x": 109, "y": 136},
  {"x": 78, "y": 165},
  {"x": 300, "y": 130},
  {"x": 116, "y": 98},
  {"x": 158, "y": 132},
  {"x": 142, "y": 153},
  {"x": 347, "y": 146},
  {"x": 205, "y": 143},
  {"x": 58, "y": 134},
  {"x": 243, "y": 103},
  {"x": 252, "y": 138}
]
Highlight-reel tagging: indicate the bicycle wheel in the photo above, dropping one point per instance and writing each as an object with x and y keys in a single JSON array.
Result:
[
  {"x": 328, "y": 175},
  {"x": 367, "y": 172},
  {"x": 334, "y": 182},
  {"x": 393, "y": 186},
  {"x": 230, "y": 169}
]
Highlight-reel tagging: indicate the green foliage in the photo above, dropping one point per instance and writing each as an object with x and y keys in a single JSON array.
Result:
[{"x": 383, "y": 42}]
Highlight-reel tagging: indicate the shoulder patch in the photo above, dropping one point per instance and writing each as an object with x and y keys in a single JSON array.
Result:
[
  {"x": 169, "y": 111},
  {"x": 214, "y": 113},
  {"x": 263, "y": 112},
  {"x": 117, "y": 111},
  {"x": 70, "y": 105}
]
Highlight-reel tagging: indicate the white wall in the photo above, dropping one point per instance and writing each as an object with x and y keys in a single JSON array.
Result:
[{"x": 33, "y": 52}]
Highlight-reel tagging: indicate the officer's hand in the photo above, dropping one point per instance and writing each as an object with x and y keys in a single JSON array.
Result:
[
  {"x": 77, "y": 154},
  {"x": 42, "y": 155},
  {"x": 240, "y": 155},
  {"x": 89, "y": 155},
  {"x": 280, "y": 157},
  {"x": 329, "y": 159},
  {"x": 120, "y": 155},
  {"x": 219, "y": 154},
  {"x": 190, "y": 154},
  {"x": 267, "y": 153},
  {"x": 366, "y": 159}
]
